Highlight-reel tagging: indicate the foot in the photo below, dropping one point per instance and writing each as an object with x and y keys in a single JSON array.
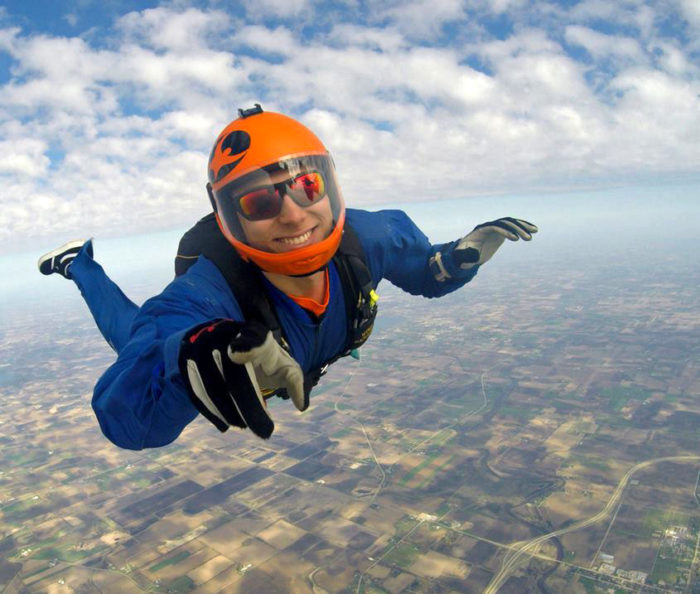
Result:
[{"x": 60, "y": 259}]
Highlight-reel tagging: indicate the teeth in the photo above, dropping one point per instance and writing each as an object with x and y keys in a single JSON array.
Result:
[{"x": 296, "y": 240}]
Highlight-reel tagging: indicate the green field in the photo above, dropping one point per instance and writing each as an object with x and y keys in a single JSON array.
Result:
[
  {"x": 666, "y": 571},
  {"x": 181, "y": 556},
  {"x": 68, "y": 555},
  {"x": 618, "y": 396},
  {"x": 403, "y": 555}
]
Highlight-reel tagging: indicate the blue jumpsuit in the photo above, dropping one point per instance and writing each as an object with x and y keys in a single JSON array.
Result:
[{"x": 141, "y": 400}]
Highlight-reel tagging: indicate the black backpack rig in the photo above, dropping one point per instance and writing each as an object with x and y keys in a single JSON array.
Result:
[{"x": 246, "y": 282}]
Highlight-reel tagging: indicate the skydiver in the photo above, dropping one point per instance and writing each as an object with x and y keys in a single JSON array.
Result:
[{"x": 274, "y": 285}]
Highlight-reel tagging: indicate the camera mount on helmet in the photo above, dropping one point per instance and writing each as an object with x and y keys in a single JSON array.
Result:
[{"x": 245, "y": 113}]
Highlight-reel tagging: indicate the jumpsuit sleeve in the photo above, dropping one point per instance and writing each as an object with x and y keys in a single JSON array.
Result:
[
  {"x": 141, "y": 401},
  {"x": 399, "y": 251}
]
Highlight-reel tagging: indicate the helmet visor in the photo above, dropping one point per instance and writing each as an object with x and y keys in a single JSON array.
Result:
[
  {"x": 259, "y": 195},
  {"x": 265, "y": 202}
]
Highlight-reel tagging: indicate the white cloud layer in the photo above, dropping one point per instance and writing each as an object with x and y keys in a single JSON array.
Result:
[{"x": 108, "y": 133}]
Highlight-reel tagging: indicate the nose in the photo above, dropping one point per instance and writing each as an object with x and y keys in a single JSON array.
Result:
[{"x": 290, "y": 212}]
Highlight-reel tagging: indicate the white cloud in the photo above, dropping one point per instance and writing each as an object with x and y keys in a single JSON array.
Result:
[
  {"x": 114, "y": 137},
  {"x": 24, "y": 157},
  {"x": 502, "y": 6},
  {"x": 658, "y": 90},
  {"x": 71, "y": 19},
  {"x": 645, "y": 17},
  {"x": 171, "y": 78},
  {"x": 369, "y": 38},
  {"x": 421, "y": 19},
  {"x": 674, "y": 60},
  {"x": 691, "y": 11},
  {"x": 523, "y": 42},
  {"x": 170, "y": 29},
  {"x": 600, "y": 45},
  {"x": 601, "y": 10},
  {"x": 8, "y": 37},
  {"x": 533, "y": 70},
  {"x": 257, "y": 9},
  {"x": 279, "y": 41}
]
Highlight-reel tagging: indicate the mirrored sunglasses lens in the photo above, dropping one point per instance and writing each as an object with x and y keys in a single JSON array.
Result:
[
  {"x": 307, "y": 188},
  {"x": 260, "y": 204}
]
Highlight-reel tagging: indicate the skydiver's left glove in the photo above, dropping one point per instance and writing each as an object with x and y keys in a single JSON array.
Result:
[
  {"x": 227, "y": 392},
  {"x": 479, "y": 246}
]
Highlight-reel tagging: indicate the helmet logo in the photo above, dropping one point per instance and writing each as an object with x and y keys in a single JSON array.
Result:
[{"x": 226, "y": 153}]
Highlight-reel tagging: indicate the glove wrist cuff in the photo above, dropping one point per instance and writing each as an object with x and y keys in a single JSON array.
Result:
[{"x": 438, "y": 268}]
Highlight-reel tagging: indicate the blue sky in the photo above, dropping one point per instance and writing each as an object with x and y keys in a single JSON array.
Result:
[{"x": 108, "y": 109}]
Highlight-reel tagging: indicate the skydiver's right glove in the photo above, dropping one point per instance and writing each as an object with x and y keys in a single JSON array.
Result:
[
  {"x": 219, "y": 361},
  {"x": 274, "y": 367}
]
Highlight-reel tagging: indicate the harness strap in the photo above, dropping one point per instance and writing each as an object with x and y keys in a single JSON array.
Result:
[{"x": 243, "y": 278}]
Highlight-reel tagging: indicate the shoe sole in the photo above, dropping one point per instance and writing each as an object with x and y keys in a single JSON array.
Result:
[{"x": 46, "y": 262}]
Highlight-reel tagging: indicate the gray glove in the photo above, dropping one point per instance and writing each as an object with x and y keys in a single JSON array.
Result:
[
  {"x": 274, "y": 368},
  {"x": 481, "y": 244}
]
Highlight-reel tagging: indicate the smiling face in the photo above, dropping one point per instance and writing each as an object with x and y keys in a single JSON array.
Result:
[
  {"x": 286, "y": 217},
  {"x": 293, "y": 228}
]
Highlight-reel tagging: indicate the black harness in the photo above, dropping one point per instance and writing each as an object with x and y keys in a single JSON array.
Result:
[{"x": 246, "y": 282}]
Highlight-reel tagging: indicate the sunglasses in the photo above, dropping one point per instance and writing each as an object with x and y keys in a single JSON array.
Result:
[{"x": 266, "y": 202}]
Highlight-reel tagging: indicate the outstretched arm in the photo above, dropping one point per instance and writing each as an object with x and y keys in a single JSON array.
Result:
[{"x": 396, "y": 249}]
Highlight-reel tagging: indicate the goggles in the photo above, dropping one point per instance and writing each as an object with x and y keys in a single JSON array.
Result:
[{"x": 266, "y": 202}]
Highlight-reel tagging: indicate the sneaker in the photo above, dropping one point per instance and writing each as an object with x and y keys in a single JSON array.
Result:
[{"x": 60, "y": 259}]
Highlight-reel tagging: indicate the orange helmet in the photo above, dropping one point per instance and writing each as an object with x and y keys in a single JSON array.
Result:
[{"x": 257, "y": 160}]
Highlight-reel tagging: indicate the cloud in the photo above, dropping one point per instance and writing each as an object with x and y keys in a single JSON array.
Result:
[
  {"x": 600, "y": 45},
  {"x": 8, "y": 37},
  {"x": 57, "y": 74},
  {"x": 173, "y": 30},
  {"x": 261, "y": 9},
  {"x": 72, "y": 19},
  {"x": 690, "y": 10},
  {"x": 503, "y": 6},
  {"x": 23, "y": 157},
  {"x": 647, "y": 19},
  {"x": 375, "y": 39},
  {"x": 110, "y": 133},
  {"x": 421, "y": 19},
  {"x": 674, "y": 60}
]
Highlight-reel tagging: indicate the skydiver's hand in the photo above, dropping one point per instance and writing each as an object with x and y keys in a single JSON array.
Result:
[
  {"x": 481, "y": 244},
  {"x": 226, "y": 392},
  {"x": 274, "y": 367}
]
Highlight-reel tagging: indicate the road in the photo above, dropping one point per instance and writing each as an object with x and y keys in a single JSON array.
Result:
[{"x": 522, "y": 551}]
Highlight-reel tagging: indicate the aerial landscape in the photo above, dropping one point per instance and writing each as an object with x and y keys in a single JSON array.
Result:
[{"x": 534, "y": 432}]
